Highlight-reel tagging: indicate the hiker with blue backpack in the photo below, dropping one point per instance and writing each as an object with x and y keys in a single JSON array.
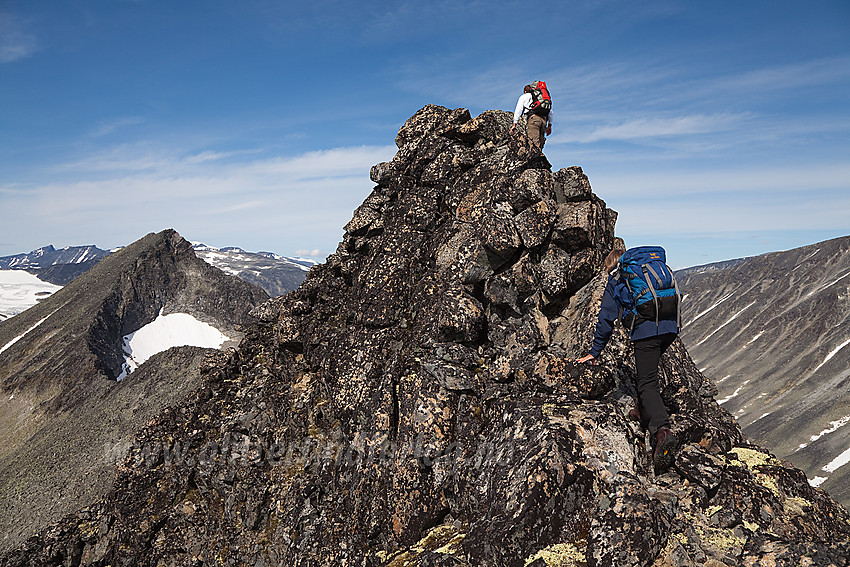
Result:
[{"x": 642, "y": 292}]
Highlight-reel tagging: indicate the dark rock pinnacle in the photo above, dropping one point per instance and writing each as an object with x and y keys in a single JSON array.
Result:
[{"x": 415, "y": 402}]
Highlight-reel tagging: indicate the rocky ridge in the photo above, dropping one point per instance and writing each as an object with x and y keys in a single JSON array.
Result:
[
  {"x": 64, "y": 420},
  {"x": 414, "y": 402}
]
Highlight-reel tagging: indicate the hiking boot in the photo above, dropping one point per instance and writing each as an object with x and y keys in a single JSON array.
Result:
[
  {"x": 665, "y": 446},
  {"x": 636, "y": 415}
]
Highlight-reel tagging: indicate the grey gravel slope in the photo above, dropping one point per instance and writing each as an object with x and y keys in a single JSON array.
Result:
[{"x": 773, "y": 332}]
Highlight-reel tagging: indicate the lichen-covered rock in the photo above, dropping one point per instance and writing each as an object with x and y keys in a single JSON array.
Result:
[
  {"x": 416, "y": 403},
  {"x": 700, "y": 467},
  {"x": 571, "y": 184},
  {"x": 490, "y": 126},
  {"x": 534, "y": 223},
  {"x": 630, "y": 530}
]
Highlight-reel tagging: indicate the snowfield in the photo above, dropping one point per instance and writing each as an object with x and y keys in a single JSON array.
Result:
[
  {"x": 20, "y": 290},
  {"x": 166, "y": 331},
  {"x": 22, "y": 335}
]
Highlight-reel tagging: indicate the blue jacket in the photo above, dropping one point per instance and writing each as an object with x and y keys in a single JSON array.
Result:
[{"x": 615, "y": 297}]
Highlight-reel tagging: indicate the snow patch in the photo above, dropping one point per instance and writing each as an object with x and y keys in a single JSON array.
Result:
[
  {"x": 752, "y": 340},
  {"x": 817, "y": 481},
  {"x": 831, "y": 354},
  {"x": 733, "y": 394},
  {"x": 735, "y": 316},
  {"x": 761, "y": 417},
  {"x": 834, "y": 426},
  {"x": 20, "y": 290},
  {"x": 710, "y": 308},
  {"x": 823, "y": 287},
  {"x": 806, "y": 258},
  {"x": 22, "y": 335},
  {"x": 838, "y": 462},
  {"x": 166, "y": 331}
]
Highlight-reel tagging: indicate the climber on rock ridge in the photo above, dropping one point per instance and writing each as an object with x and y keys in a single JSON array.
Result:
[
  {"x": 536, "y": 104},
  {"x": 650, "y": 338}
]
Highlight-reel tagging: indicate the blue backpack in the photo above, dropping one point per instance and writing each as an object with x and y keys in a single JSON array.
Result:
[{"x": 654, "y": 292}]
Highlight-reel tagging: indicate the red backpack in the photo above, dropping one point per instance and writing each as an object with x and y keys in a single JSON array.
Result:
[{"x": 541, "y": 102}]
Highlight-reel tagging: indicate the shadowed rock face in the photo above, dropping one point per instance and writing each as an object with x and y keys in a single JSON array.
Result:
[{"x": 414, "y": 402}]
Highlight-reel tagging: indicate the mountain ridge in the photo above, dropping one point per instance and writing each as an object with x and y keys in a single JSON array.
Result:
[
  {"x": 770, "y": 330},
  {"x": 276, "y": 274},
  {"x": 55, "y": 266},
  {"x": 415, "y": 402},
  {"x": 59, "y": 399}
]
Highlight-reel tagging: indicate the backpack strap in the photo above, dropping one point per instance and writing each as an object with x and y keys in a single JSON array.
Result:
[
  {"x": 678, "y": 305},
  {"x": 634, "y": 302},
  {"x": 654, "y": 273},
  {"x": 647, "y": 268}
]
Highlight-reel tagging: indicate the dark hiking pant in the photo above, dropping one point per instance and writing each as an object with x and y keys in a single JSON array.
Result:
[{"x": 647, "y": 355}]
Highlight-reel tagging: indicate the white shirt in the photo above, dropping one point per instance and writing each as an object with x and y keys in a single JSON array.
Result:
[{"x": 523, "y": 108}]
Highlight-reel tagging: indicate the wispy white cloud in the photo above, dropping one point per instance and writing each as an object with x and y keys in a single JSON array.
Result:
[
  {"x": 780, "y": 78},
  {"x": 658, "y": 127},
  {"x": 15, "y": 42},
  {"x": 215, "y": 156},
  {"x": 676, "y": 216},
  {"x": 753, "y": 181},
  {"x": 107, "y": 127},
  {"x": 238, "y": 207},
  {"x": 314, "y": 253},
  {"x": 126, "y": 158},
  {"x": 283, "y": 203}
]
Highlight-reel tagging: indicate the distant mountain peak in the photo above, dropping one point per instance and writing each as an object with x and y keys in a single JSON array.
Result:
[
  {"x": 55, "y": 266},
  {"x": 59, "y": 361}
]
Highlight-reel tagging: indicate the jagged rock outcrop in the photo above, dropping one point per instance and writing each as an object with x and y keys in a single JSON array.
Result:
[
  {"x": 414, "y": 402},
  {"x": 64, "y": 420}
]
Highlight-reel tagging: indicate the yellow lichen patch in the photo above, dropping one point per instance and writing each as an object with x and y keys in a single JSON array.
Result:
[
  {"x": 752, "y": 526},
  {"x": 561, "y": 555},
  {"x": 723, "y": 539},
  {"x": 712, "y": 510},
  {"x": 751, "y": 458},
  {"x": 401, "y": 560},
  {"x": 443, "y": 539},
  {"x": 453, "y": 547},
  {"x": 88, "y": 529},
  {"x": 796, "y": 506},
  {"x": 768, "y": 482}
]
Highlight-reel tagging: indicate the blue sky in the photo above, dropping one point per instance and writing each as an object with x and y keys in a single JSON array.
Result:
[{"x": 716, "y": 129}]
